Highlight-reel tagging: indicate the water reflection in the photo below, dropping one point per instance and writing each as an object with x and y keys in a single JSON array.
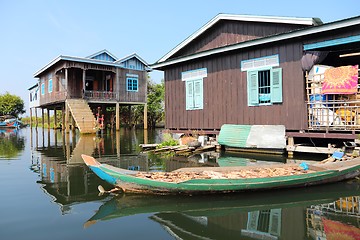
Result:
[
  {"x": 11, "y": 143},
  {"x": 282, "y": 214}
]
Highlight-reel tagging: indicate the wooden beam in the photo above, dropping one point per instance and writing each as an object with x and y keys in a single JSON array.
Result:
[
  {"x": 42, "y": 118},
  {"x": 55, "y": 120},
  {"x": 36, "y": 118},
  {"x": 30, "y": 117},
  {"x": 48, "y": 117}
]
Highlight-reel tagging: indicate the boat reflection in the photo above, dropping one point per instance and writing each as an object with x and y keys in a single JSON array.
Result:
[
  {"x": 11, "y": 143},
  {"x": 282, "y": 214}
]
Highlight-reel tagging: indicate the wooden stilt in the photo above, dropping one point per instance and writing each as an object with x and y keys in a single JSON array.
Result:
[
  {"x": 42, "y": 118},
  {"x": 30, "y": 117},
  {"x": 48, "y": 117},
  {"x": 145, "y": 117},
  {"x": 290, "y": 144},
  {"x": 36, "y": 118},
  {"x": 55, "y": 120},
  {"x": 117, "y": 117},
  {"x": 63, "y": 118},
  {"x": 67, "y": 116}
]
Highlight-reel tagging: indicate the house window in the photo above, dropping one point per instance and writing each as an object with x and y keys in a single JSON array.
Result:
[
  {"x": 50, "y": 86},
  {"x": 264, "y": 86},
  {"x": 42, "y": 88},
  {"x": 132, "y": 84},
  {"x": 194, "y": 88},
  {"x": 194, "y": 94}
]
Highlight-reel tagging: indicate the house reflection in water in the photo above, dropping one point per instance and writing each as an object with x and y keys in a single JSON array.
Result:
[{"x": 64, "y": 176}]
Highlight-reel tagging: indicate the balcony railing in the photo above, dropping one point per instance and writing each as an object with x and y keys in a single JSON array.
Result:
[
  {"x": 101, "y": 95},
  {"x": 54, "y": 97}
]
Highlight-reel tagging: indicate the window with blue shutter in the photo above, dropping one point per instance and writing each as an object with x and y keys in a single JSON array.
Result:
[
  {"x": 132, "y": 84},
  {"x": 264, "y": 86},
  {"x": 50, "y": 86},
  {"x": 42, "y": 88},
  {"x": 194, "y": 88},
  {"x": 194, "y": 94}
]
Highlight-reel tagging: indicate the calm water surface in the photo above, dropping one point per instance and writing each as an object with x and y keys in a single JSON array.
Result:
[{"x": 48, "y": 193}]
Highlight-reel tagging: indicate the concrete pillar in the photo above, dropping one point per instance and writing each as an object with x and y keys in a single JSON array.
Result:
[
  {"x": 291, "y": 144},
  {"x": 117, "y": 117}
]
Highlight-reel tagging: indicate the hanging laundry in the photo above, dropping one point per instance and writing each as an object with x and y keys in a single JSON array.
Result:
[{"x": 340, "y": 80}]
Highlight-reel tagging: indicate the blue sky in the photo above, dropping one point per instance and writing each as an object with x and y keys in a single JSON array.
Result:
[{"x": 32, "y": 33}]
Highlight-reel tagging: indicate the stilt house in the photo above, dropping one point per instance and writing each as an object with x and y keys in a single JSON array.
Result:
[
  {"x": 82, "y": 87},
  {"x": 263, "y": 70}
]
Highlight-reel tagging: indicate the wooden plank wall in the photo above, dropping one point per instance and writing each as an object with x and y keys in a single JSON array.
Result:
[
  {"x": 231, "y": 32},
  {"x": 225, "y": 92}
]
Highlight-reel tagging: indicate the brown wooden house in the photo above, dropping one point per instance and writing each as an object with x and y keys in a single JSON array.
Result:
[
  {"x": 253, "y": 70},
  {"x": 80, "y": 86}
]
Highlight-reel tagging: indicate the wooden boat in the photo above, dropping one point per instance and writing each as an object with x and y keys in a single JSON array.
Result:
[
  {"x": 9, "y": 122},
  {"x": 206, "y": 180}
]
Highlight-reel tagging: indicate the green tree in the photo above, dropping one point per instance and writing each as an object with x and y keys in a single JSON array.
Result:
[
  {"x": 155, "y": 103},
  {"x": 11, "y": 105}
]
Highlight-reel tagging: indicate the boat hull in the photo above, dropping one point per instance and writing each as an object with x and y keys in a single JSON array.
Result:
[{"x": 130, "y": 183}]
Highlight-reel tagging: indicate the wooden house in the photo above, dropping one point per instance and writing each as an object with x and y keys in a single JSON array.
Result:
[
  {"x": 79, "y": 86},
  {"x": 253, "y": 70}
]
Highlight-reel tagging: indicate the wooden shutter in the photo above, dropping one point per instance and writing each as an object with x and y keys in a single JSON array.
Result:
[
  {"x": 189, "y": 95},
  {"x": 253, "y": 88},
  {"x": 198, "y": 94},
  {"x": 276, "y": 85}
]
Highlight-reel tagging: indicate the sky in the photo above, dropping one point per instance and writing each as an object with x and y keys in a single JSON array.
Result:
[{"x": 34, "y": 32}]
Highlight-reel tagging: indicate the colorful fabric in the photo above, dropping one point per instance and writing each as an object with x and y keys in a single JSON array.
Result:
[
  {"x": 335, "y": 230},
  {"x": 340, "y": 80}
]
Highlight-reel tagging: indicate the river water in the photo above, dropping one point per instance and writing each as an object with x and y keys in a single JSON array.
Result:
[{"x": 48, "y": 193}]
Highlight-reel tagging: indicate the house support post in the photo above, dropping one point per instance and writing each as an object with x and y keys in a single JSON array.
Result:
[
  {"x": 291, "y": 144},
  {"x": 55, "y": 120},
  {"x": 84, "y": 82},
  {"x": 30, "y": 117},
  {"x": 36, "y": 118},
  {"x": 63, "y": 118},
  {"x": 145, "y": 117},
  {"x": 67, "y": 115},
  {"x": 117, "y": 117},
  {"x": 42, "y": 118},
  {"x": 48, "y": 117}
]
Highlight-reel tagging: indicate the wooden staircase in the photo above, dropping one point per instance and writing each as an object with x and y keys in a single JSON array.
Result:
[
  {"x": 85, "y": 145},
  {"x": 81, "y": 112}
]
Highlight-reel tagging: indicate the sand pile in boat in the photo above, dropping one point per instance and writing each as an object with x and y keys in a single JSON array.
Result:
[{"x": 177, "y": 177}]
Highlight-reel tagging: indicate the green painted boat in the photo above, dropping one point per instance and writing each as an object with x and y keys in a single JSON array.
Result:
[{"x": 318, "y": 173}]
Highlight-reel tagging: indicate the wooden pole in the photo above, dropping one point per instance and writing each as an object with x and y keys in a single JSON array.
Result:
[
  {"x": 67, "y": 115},
  {"x": 117, "y": 117},
  {"x": 36, "y": 118},
  {"x": 30, "y": 117},
  {"x": 55, "y": 120},
  {"x": 84, "y": 82},
  {"x": 48, "y": 117},
  {"x": 145, "y": 117},
  {"x": 42, "y": 118}
]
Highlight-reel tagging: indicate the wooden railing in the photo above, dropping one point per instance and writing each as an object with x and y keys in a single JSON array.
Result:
[
  {"x": 101, "y": 95},
  {"x": 54, "y": 97}
]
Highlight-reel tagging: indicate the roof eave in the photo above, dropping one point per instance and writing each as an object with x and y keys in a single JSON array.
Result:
[
  {"x": 259, "y": 41},
  {"x": 217, "y": 18}
]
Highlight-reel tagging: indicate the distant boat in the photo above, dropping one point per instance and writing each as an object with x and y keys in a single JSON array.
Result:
[
  {"x": 225, "y": 179},
  {"x": 8, "y": 121}
]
